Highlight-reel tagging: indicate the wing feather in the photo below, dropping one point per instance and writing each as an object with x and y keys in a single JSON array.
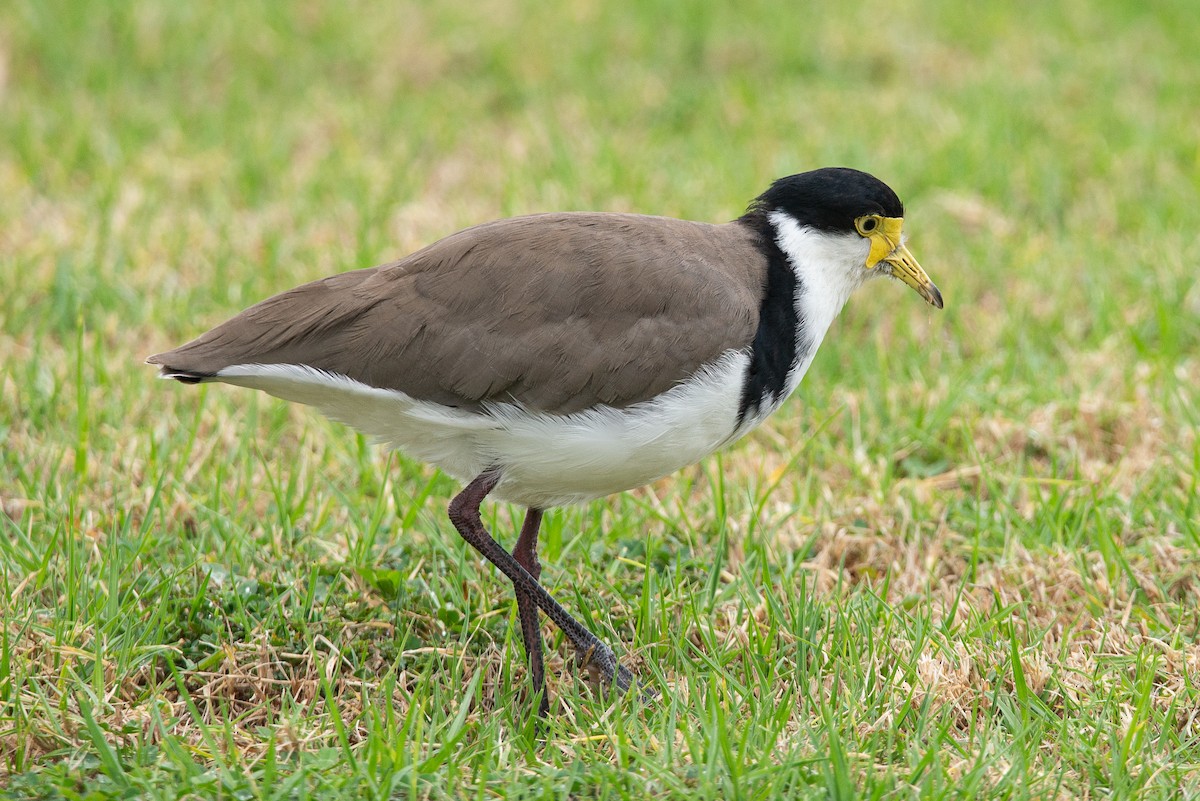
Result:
[{"x": 558, "y": 312}]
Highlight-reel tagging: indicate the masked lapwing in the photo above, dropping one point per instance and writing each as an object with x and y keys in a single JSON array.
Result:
[{"x": 556, "y": 358}]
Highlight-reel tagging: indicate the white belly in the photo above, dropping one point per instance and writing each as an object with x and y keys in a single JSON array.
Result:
[{"x": 545, "y": 460}]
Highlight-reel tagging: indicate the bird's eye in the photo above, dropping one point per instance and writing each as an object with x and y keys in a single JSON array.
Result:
[{"x": 867, "y": 224}]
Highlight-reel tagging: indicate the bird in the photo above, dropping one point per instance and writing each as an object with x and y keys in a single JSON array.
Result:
[{"x": 556, "y": 358}]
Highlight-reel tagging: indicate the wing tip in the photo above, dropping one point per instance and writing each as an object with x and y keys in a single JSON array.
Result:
[{"x": 179, "y": 374}]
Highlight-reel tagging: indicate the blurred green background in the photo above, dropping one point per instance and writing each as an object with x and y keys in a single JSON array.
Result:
[{"x": 998, "y": 499}]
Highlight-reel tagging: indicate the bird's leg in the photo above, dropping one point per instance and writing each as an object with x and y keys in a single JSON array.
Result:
[
  {"x": 525, "y": 552},
  {"x": 464, "y": 514}
]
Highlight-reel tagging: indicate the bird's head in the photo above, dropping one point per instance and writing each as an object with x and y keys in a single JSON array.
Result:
[{"x": 857, "y": 217}]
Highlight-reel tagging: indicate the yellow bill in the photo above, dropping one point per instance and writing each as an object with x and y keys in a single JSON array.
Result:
[{"x": 888, "y": 247}]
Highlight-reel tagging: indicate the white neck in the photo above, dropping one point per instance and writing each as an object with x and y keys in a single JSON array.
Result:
[{"x": 829, "y": 267}]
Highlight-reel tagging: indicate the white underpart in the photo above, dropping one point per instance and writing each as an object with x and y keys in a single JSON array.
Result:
[
  {"x": 544, "y": 459},
  {"x": 550, "y": 460}
]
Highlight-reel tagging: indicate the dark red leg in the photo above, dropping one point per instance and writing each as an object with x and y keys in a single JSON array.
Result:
[
  {"x": 525, "y": 552},
  {"x": 464, "y": 514}
]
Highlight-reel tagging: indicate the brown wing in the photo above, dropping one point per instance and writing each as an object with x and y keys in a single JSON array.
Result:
[{"x": 558, "y": 312}]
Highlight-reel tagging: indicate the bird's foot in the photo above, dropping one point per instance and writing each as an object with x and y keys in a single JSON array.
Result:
[{"x": 601, "y": 662}]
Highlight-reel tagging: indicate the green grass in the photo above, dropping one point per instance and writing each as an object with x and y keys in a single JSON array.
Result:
[{"x": 963, "y": 562}]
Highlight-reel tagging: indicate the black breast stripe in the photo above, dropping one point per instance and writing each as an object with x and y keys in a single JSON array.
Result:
[{"x": 774, "y": 352}]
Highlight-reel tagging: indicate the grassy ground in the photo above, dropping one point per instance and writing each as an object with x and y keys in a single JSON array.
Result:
[{"x": 964, "y": 561}]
